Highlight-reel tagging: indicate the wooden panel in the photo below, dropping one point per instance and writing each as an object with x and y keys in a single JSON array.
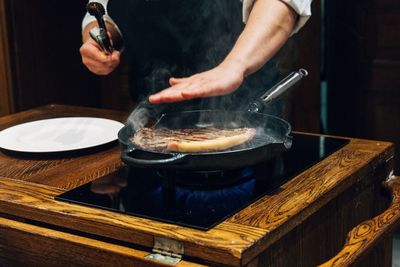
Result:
[
  {"x": 385, "y": 76},
  {"x": 363, "y": 69},
  {"x": 226, "y": 242},
  {"x": 386, "y": 4},
  {"x": 45, "y": 58},
  {"x": 327, "y": 225},
  {"x": 387, "y": 37},
  {"x": 322, "y": 235},
  {"x": 37, "y": 246},
  {"x": 303, "y": 50},
  {"x": 383, "y": 119},
  {"x": 380, "y": 108},
  {"x": 6, "y": 103},
  {"x": 36, "y": 202},
  {"x": 115, "y": 89},
  {"x": 236, "y": 241},
  {"x": 371, "y": 234},
  {"x": 223, "y": 244},
  {"x": 348, "y": 60}
]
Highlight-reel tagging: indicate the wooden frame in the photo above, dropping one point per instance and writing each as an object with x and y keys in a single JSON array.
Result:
[
  {"x": 318, "y": 206},
  {"x": 6, "y": 103}
]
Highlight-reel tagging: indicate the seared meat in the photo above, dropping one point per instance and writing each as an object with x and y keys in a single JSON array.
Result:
[{"x": 191, "y": 140}]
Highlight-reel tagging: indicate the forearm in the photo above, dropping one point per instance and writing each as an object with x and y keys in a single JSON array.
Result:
[{"x": 269, "y": 26}]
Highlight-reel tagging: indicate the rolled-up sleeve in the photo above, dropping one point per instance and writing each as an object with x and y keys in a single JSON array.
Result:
[{"x": 301, "y": 7}]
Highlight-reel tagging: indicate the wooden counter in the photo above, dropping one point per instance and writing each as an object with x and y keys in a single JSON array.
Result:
[{"x": 303, "y": 223}]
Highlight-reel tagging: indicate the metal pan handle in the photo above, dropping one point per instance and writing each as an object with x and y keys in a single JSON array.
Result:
[
  {"x": 278, "y": 89},
  {"x": 129, "y": 160},
  {"x": 288, "y": 142}
]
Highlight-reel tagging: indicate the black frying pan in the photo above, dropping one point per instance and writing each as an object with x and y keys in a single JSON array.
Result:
[{"x": 272, "y": 137}]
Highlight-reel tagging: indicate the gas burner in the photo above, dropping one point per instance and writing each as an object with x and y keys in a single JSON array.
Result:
[{"x": 206, "y": 180}]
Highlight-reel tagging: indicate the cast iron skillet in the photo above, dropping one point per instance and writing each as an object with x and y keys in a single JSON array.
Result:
[{"x": 272, "y": 137}]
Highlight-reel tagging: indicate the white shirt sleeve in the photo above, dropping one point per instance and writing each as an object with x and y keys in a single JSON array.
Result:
[
  {"x": 302, "y": 7},
  {"x": 88, "y": 18}
]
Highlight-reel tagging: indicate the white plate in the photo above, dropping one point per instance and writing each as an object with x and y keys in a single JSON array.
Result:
[{"x": 59, "y": 134}]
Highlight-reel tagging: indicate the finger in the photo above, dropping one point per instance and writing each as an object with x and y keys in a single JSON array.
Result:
[
  {"x": 94, "y": 52},
  {"x": 174, "y": 81},
  {"x": 98, "y": 68},
  {"x": 166, "y": 99},
  {"x": 162, "y": 96},
  {"x": 199, "y": 90},
  {"x": 92, "y": 65},
  {"x": 112, "y": 64},
  {"x": 115, "y": 56},
  {"x": 204, "y": 90},
  {"x": 196, "y": 86},
  {"x": 170, "y": 95},
  {"x": 174, "y": 93},
  {"x": 212, "y": 88}
]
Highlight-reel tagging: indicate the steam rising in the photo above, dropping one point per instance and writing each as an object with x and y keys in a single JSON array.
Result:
[
  {"x": 212, "y": 31},
  {"x": 269, "y": 129},
  {"x": 139, "y": 117}
]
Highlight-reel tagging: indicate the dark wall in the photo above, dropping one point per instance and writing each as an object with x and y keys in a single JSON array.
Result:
[
  {"x": 44, "y": 38},
  {"x": 305, "y": 104},
  {"x": 364, "y": 69},
  {"x": 302, "y": 50}
]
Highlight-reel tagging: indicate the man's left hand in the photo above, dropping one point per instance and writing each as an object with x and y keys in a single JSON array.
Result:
[{"x": 221, "y": 80}]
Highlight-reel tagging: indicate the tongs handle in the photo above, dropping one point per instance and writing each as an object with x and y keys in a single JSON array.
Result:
[
  {"x": 278, "y": 89},
  {"x": 100, "y": 34},
  {"x": 101, "y": 37}
]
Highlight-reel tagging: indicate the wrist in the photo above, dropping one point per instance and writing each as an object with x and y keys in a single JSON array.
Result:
[{"x": 235, "y": 65}]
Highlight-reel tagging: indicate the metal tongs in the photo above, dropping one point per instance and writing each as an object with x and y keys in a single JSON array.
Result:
[{"x": 100, "y": 34}]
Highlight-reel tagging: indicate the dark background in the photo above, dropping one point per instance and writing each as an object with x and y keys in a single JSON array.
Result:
[{"x": 351, "y": 49}]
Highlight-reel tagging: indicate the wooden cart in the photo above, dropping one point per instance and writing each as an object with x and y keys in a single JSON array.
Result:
[{"x": 304, "y": 223}]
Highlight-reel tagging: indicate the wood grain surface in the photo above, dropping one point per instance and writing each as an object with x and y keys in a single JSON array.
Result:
[
  {"x": 67, "y": 170},
  {"x": 6, "y": 103},
  {"x": 28, "y": 242},
  {"x": 28, "y": 187},
  {"x": 369, "y": 233}
]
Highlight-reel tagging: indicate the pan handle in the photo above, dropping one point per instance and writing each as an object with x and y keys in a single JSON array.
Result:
[
  {"x": 278, "y": 89},
  {"x": 288, "y": 142},
  {"x": 176, "y": 158}
]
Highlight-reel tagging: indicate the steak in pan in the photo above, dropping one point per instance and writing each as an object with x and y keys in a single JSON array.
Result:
[{"x": 191, "y": 140}]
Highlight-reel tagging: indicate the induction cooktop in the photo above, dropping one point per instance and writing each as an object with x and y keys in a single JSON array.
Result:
[{"x": 199, "y": 200}]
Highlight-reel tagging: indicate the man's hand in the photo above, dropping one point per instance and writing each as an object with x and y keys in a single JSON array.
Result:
[
  {"x": 269, "y": 26},
  {"x": 221, "y": 80},
  {"x": 96, "y": 61},
  {"x": 92, "y": 55}
]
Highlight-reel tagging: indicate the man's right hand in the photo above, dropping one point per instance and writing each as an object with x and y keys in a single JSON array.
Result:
[
  {"x": 96, "y": 61},
  {"x": 93, "y": 56}
]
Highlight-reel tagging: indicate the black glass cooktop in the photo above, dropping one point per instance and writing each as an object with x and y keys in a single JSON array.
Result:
[{"x": 199, "y": 199}]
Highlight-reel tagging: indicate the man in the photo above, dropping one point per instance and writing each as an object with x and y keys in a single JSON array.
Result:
[{"x": 196, "y": 48}]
